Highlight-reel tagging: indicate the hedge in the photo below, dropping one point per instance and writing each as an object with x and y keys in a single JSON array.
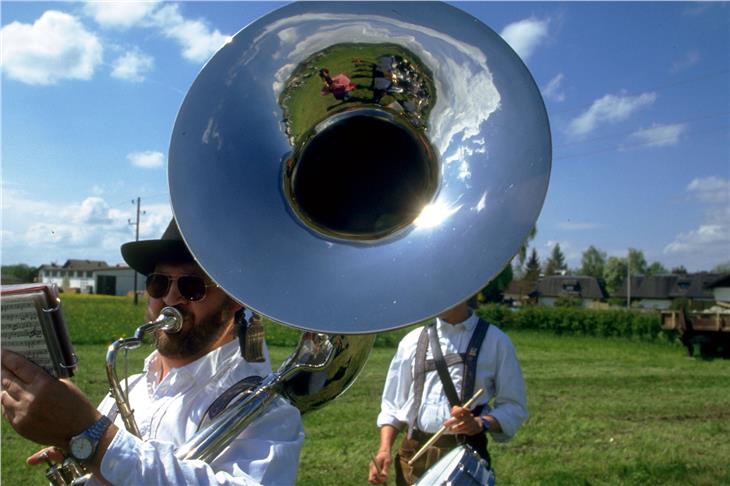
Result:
[{"x": 560, "y": 320}]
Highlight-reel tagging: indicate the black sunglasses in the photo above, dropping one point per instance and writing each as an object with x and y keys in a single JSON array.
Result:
[{"x": 191, "y": 287}]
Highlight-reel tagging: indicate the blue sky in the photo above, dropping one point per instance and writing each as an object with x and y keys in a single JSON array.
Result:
[{"x": 637, "y": 94}]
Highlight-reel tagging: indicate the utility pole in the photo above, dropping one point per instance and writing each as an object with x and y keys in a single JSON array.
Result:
[
  {"x": 136, "y": 238},
  {"x": 628, "y": 282}
]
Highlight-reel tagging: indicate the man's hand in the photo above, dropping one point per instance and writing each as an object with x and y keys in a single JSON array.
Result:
[
  {"x": 53, "y": 454},
  {"x": 40, "y": 407},
  {"x": 463, "y": 422},
  {"x": 379, "y": 467}
]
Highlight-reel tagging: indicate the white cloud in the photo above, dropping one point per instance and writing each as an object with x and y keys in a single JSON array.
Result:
[
  {"x": 609, "y": 109},
  {"x": 711, "y": 239},
  {"x": 149, "y": 159},
  {"x": 197, "y": 40},
  {"x": 37, "y": 231},
  {"x": 525, "y": 35},
  {"x": 55, "y": 47},
  {"x": 552, "y": 90},
  {"x": 119, "y": 14},
  {"x": 93, "y": 210},
  {"x": 132, "y": 66},
  {"x": 660, "y": 135},
  {"x": 707, "y": 235},
  {"x": 688, "y": 60},
  {"x": 711, "y": 190}
]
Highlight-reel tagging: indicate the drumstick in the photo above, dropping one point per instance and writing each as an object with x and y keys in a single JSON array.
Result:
[
  {"x": 372, "y": 457},
  {"x": 441, "y": 431}
]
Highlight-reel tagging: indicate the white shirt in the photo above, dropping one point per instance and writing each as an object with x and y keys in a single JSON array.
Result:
[
  {"x": 167, "y": 413},
  {"x": 498, "y": 372}
]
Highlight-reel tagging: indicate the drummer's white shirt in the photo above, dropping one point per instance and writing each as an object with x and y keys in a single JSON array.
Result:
[
  {"x": 167, "y": 413},
  {"x": 498, "y": 372}
]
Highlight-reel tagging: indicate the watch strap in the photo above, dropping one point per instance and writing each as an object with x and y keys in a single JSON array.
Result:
[
  {"x": 97, "y": 430},
  {"x": 486, "y": 424}
]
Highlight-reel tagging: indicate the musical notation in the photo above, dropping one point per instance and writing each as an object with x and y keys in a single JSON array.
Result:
[{"x": 22, "y": 328}]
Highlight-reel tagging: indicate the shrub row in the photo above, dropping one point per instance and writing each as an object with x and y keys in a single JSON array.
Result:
[{"x": 603, "y": 323}]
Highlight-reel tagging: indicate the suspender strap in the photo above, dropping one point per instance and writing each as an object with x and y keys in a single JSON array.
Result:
[
  {"x": 451, "y": 360},
  {"x": 441, "y": 368},
  {"x": 472, "y": 353},
  {"x": 423, "y": 366},
  {"x": 419, "y": 369}
]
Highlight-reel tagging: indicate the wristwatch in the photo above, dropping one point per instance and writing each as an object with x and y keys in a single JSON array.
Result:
[
  {"x": 486, "y": 424},
  {"x": 83, "y": 446}
]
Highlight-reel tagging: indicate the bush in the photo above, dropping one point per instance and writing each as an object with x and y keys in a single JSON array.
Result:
[{"x": 569, "y": 320}]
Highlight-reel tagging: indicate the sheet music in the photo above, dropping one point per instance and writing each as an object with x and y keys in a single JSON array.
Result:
[{"x": 22, "y": 331}]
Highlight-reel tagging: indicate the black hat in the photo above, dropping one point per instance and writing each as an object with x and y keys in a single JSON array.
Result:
[{"x": 144, "y": 255}]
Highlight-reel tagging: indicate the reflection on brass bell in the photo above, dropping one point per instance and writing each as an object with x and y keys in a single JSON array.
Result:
[{"x": 251, "y": 338}]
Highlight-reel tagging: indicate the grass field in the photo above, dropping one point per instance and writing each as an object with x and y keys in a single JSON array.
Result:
[{"x": 602, "y": 410}]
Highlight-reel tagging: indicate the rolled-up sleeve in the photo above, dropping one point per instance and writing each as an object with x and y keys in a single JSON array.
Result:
[
  {"x": 510, "y": 398},
  {"x": 396, "y": 400}
]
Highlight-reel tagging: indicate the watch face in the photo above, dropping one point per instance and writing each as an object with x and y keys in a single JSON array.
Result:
[{"x": 81, "y": 447}]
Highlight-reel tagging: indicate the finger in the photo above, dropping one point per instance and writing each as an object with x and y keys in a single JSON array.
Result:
[
  {"x": 8, "y": 401},
  {"x": 10, "y": 385},
  {"x": 20, "y": 367},
  {"x": 450, "y": 422},
  {"x": 53, "y": 454}
]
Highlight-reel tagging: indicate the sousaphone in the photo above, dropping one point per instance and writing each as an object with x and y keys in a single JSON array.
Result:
[{"x": 374, "y": 207}]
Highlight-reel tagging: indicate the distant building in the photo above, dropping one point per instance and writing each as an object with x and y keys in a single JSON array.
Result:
[
  {"x": 589, "y": 291},
  {"x": 88, "y": 277},
  {"x": 658, "y": 291},
  {"x": 721, "y": 288},
  {"x": 117, "y": 281},
  {"x": 520, "y": 293}
]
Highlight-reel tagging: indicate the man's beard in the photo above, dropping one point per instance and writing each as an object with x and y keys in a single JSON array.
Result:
[{"x": 195, "y": 341}]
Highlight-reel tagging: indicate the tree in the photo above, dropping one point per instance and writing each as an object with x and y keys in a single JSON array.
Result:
[
  {"x": 593, "y": 262},
  {"x": 522, "y": 252},
  {"x": 614, "y": 273},
  {"x": 532, "y": 268},
  {"x": 637, "y": 262},
  {"x": 23, "y": 272},
  {"x": 722, "y": 268},
  {"x": 656, "y": 268},
  {"x": 680, "y": 270},
  {"x": 556, "y": 262},
  {"x": 494, "y": 290}
]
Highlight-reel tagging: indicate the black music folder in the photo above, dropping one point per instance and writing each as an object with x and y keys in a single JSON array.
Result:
[{"x": 32, "y": 324}]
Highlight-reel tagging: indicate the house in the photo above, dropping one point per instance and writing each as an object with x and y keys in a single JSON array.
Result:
[
  {"x": 519, "y": 292},
  {"x": 721, "y": 289},
  {"x": 589, "y": 291},
  {"x": 117, "y": 280},
  {"x": 88, "y": 277},
  {"x": 658, "y": 291}
]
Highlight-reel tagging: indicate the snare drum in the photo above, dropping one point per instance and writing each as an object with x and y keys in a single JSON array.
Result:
[{"x": 460, "y": 467}]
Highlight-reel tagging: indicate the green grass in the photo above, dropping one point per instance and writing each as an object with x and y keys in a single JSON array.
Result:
[
  {"x": 303, "y": 104},
  {"x": 603, "y": 411}
]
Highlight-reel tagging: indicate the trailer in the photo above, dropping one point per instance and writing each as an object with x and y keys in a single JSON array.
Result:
[{"x": 710, "y": 329}]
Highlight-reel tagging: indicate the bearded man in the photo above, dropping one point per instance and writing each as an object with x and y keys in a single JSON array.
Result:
[{"x": 189, "y": 376}]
